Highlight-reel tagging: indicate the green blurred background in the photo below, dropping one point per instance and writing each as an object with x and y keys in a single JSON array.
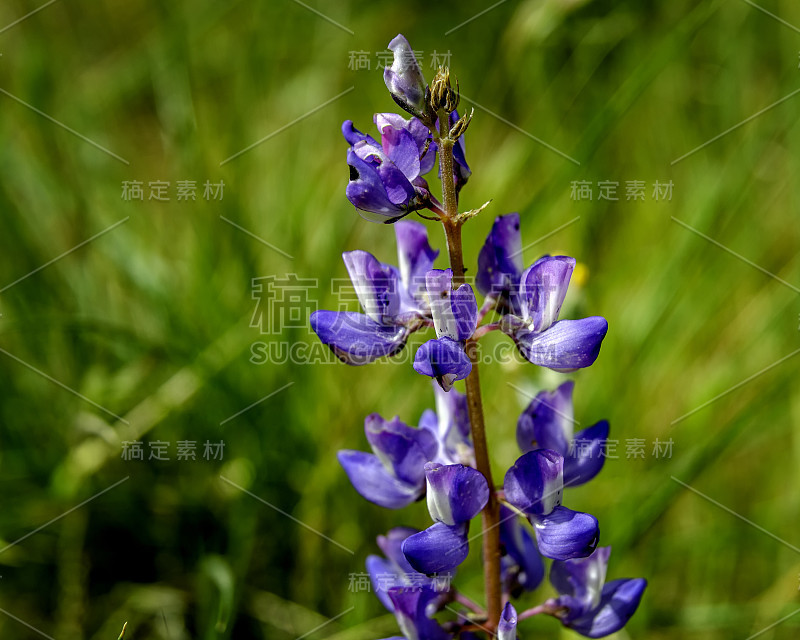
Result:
[{"x": 151, "y": 321}]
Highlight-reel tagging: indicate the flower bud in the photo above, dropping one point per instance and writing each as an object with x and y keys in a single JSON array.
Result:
[
  {"x": 404, "y": 78},
  {"x": 443, "y": 96},
  {"x": 460, "y": 127}
]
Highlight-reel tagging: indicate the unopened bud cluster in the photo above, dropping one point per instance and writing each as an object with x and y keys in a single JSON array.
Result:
[{"x": 442, "y": 94}]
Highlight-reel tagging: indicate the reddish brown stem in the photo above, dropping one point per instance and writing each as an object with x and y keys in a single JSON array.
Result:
[{"x": 490, "y": 517}]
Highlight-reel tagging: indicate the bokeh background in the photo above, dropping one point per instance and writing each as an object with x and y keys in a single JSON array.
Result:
[{"x": 152, "y": 321}]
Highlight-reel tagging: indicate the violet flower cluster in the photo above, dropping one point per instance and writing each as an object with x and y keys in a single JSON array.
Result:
[{"x": 444, "y": 458}]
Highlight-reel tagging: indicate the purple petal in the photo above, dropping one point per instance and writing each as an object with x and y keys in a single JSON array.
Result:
[
  {"x": 534, "y": 485},
  {"x": 411, "y": 608},
  {"x": 444, "y": 360},
  {"x": 547, "y": 422},
  {"x": 438, "y": 549},
  {"x": 375, "y": 482},
  {"x": 455, "y": 313},
  {"x": 366, "y": 189},
  {"x": 455, "y": 493},
  {"x": 404, "y": 79},
  {"x": 566, "y": 534},
  {"x": 450, "y": 424},
  {"x": 500, "y": 259},
  {"x": 580, "y": 581},
  {"x": 507, "y": 628},
  {"x": 566, "y": 346},
  {"x": 587, "y": 456},
  {"x": 383, "y": 577},
  {"x": 399, "y": 146},
  {"x": 618, "y": 603},
  {"x": 391, "y": 545},
  {"x": 376, "y": 285},
  {"x": 415, "y": 258},
  {"x": 430, "y": 422},
  {"x": 419, "y": 132},
  {"x": 355, "y": 338},
  {"x": 353, "y": 135},
  {"x": 402, "y": 449},
  {"x": 522, "y": 556},
  {"x": 397, "y": 185},
  {"x": 542, "y": 290},
  {"x": 394, "y": 570},
  {"x": 465, "y": 311},
  {"x": 461, "y": 168}
]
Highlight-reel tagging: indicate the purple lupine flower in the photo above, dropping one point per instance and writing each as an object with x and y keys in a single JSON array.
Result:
[
  {"x": 531, "y": 302},
  {"x": 521, "y": 564},
  {"x": 456, "y": 494},
  {"x": 413, "y": 608},
  {"x": 588, "y": 604},
  {"x": 500, "y": 263},
  {"x": 394, "y": 570},
  {"x": 563, "y": 345},
  {"x": 547, "y": 423},
  {"x": 393, "y": 476},
  {"x": 404, "y": 78},
  {"x": 386, "y": 178},
  {"x": 455, "y": 317},
  {"x": 535, "y": 485},
  {"x": 507, "y": 629},
  {"x": 392, "y": 300},
  {"x": 450, "y": 424}
]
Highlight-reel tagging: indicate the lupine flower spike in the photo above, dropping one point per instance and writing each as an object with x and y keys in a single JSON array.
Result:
[{"x": 444, "y": 460}]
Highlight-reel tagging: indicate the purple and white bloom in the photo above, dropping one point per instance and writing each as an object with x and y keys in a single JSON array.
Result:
[
  {"x": 531, "y": 302},
  {"x": 386, "y": 178},
  {"x": 455, "y": 317},
  {"x": 456, "y": 494},
  {"x": 507, "y": 628},
  {"x": 413, "y": 608},
  {"x": 563, "y": 345},
  {"x": 393, "y": 570},
  {"x": 548, "y": 423},
  {"x": 535, "y": 485},
  {"x": 588, "y": 604},
  {"x": 393, "y": 476},
  {"x": 404, "y": 78},
  {"x": 450, "y": 424},
  {"x": 444, "y": 360},
  {"x": 392, "y": 299},
  {"x": 521, "y": 564}
]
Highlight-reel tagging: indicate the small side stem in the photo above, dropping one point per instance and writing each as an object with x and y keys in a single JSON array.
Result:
[
  {"x": 469, "y": 603},
  {"x": 484, "y": 329},
  {"x": 535, "y": 611},
  {"x": 488, "y": 305}
]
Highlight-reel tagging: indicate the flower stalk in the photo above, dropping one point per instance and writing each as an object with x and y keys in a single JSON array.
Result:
[{"x": 490, "y": 517}]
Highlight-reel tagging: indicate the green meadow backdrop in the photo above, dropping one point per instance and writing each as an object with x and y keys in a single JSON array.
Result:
[{"x": 150, "y": 320}]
